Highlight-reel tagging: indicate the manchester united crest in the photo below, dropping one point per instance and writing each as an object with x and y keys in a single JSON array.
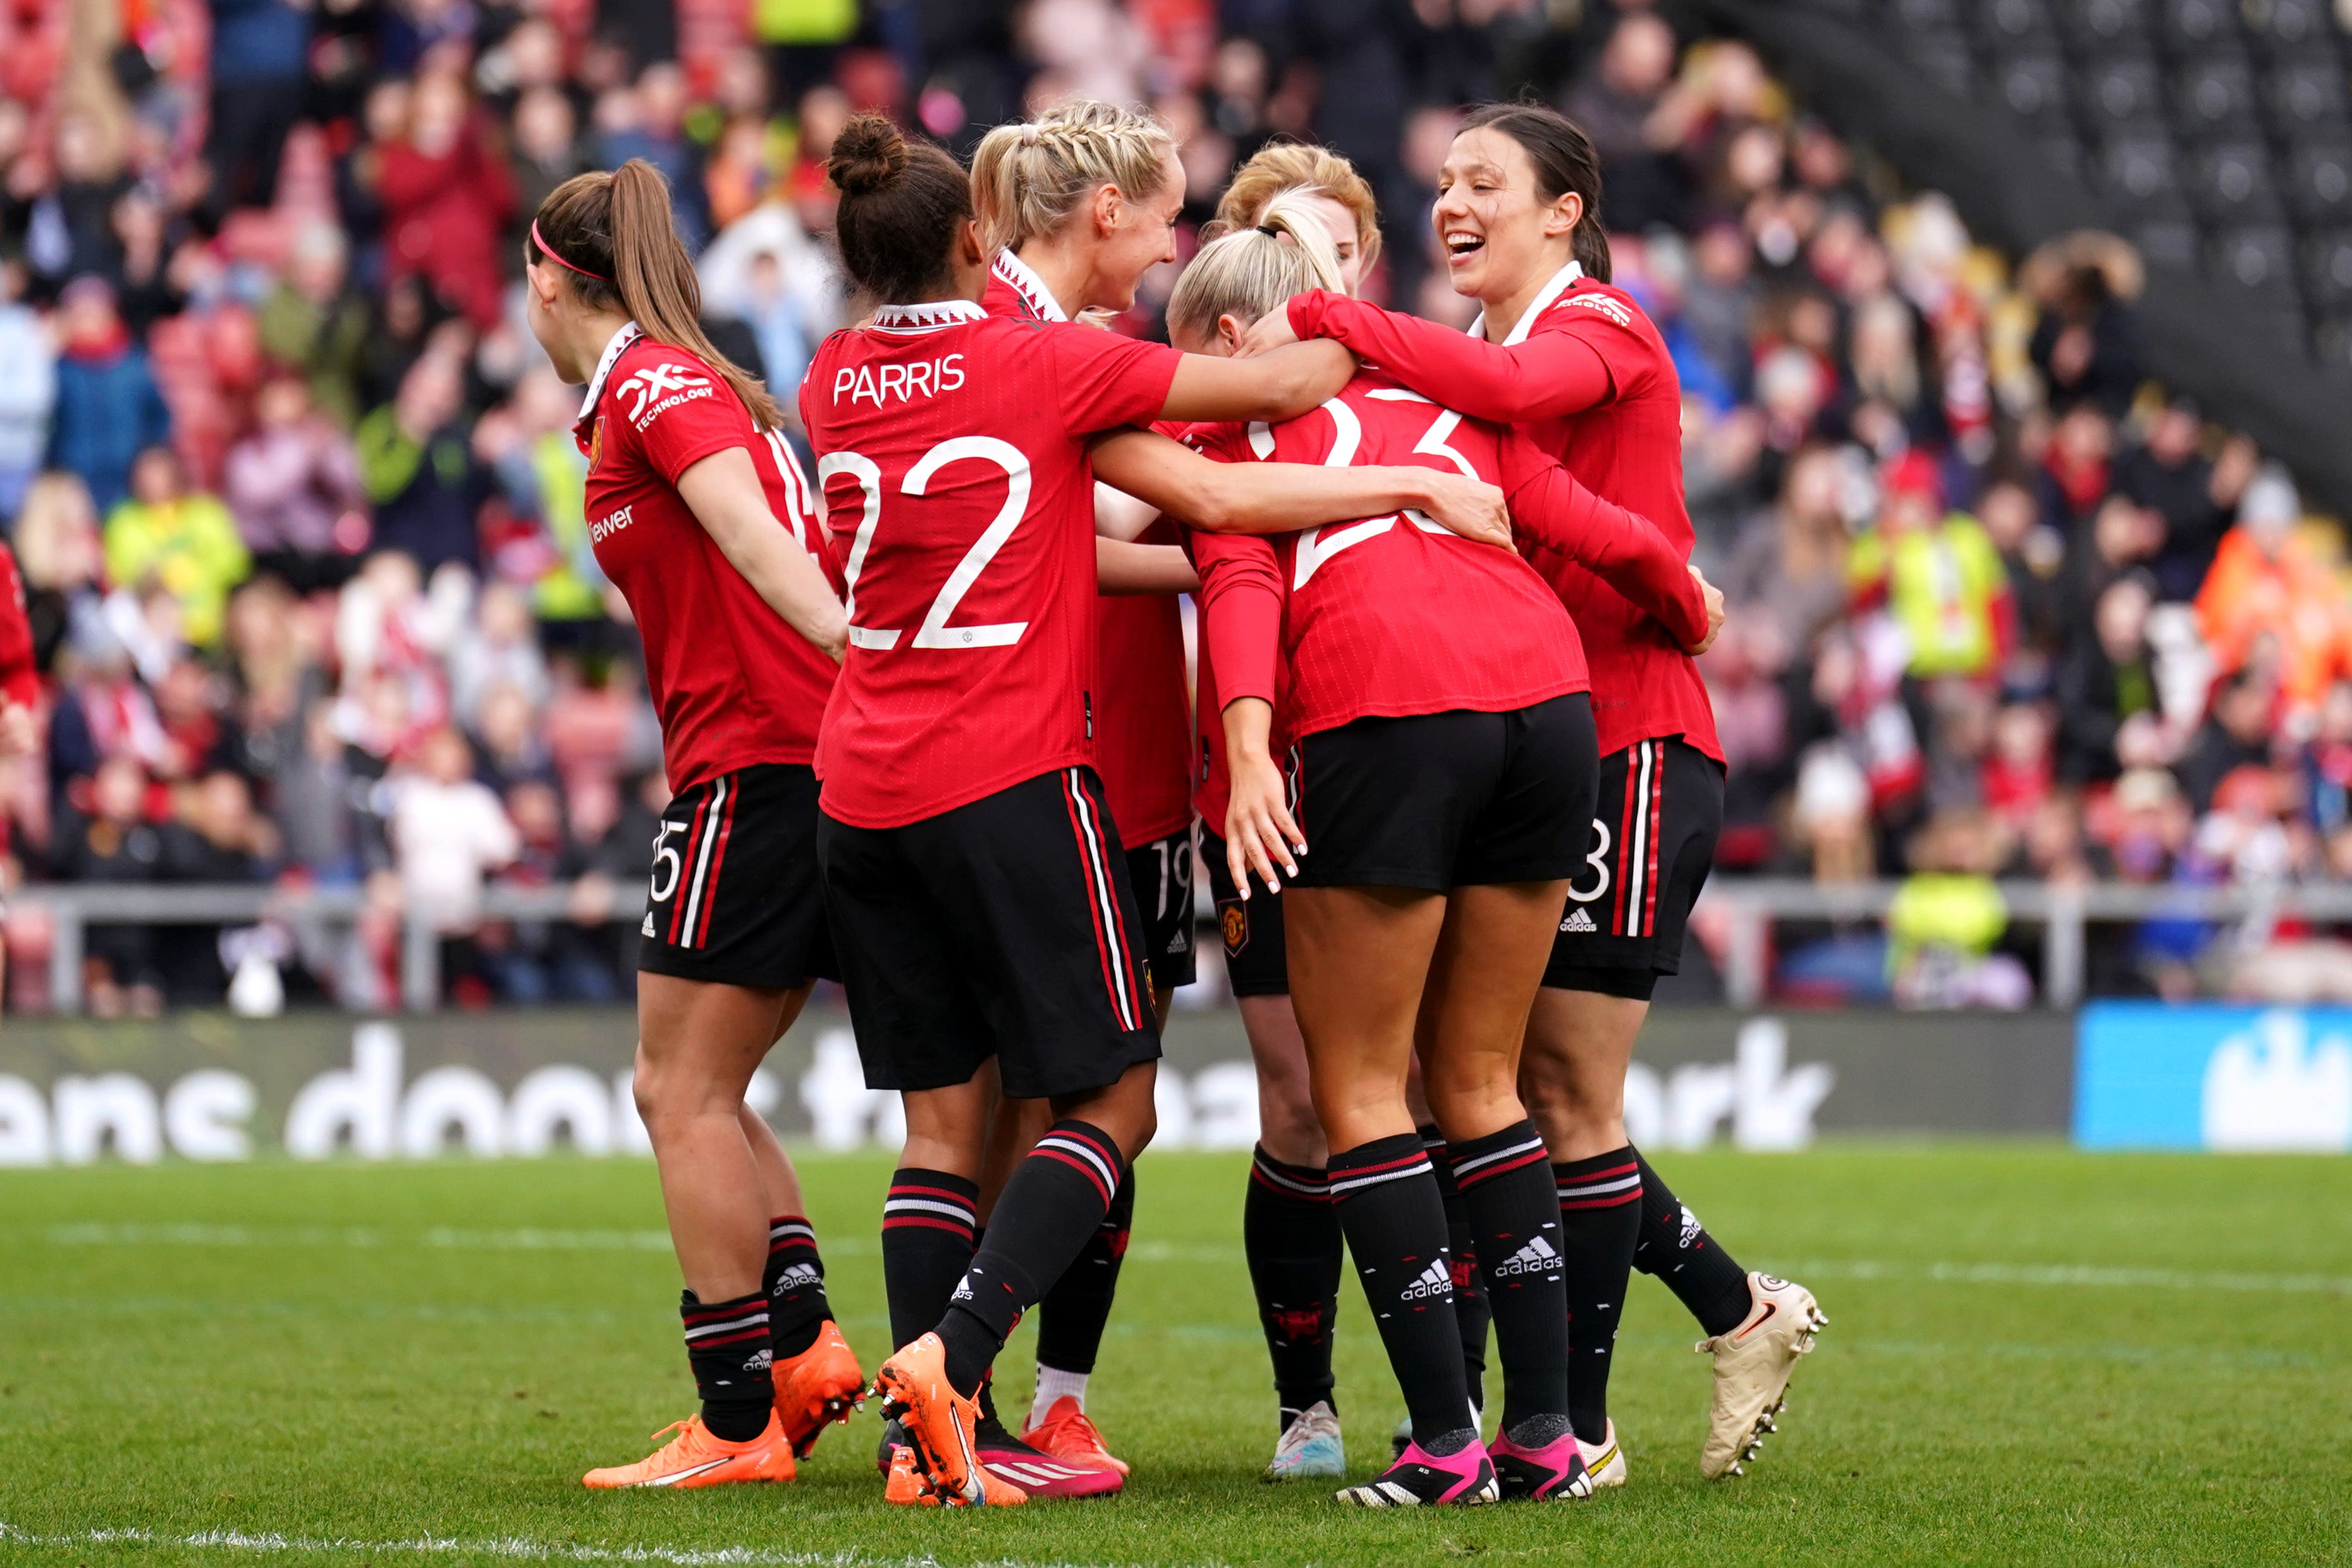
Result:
[
  {"x": 596, "y": 442},
  {"x": 1234, "y": 918}
]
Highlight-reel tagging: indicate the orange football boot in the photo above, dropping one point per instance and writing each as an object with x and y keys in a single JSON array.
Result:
[
  {"x": 696, "y": 1459},
  {"x": 905, "y": 1485},
  {"x": 821, "y": 1385},
  {"x": 1068, "y": 1432},
  {"x": 938, "y": 1422}
]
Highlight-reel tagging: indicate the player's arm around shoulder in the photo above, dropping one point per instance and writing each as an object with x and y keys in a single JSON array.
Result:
[{"x": 724, "y": 492}]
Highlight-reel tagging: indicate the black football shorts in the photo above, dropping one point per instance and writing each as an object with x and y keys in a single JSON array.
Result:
[
  {"x": 1005, "y": 927},
  {"x": 1654, "y": 833},
  {"x": 1161, "y": 872},
  {"x": 734, "y": 898}
]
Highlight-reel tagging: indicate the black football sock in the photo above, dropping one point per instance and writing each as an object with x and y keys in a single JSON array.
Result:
[
  {"x": 1600, "y": 1221},
  {"x": 1470, "y": 1309},
  {"x": 1505, "y": 1183},
  {"x": 927, "y": 1244},
  {"x": 1290, "y": 1234},
  {"x": 1055, "y": 1199},
  {"x": 1073, "y": 1314},
  {"x": 1689, "y": 1262},
  {"x": 727, "y": 1343},
  {"x": 1395, "y": 1224},
  {"x": 794, "y": 1283}
]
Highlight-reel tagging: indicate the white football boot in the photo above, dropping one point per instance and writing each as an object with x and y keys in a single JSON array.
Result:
[{"x": 1753, "y": 1364}]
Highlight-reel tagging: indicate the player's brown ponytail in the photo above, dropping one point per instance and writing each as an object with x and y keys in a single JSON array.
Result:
[
  {"x": 1564, "y": 161},
  {"x": 613, "y": 239}
]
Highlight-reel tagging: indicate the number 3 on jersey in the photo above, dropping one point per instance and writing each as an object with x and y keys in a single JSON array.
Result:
[
  {"x": 935, "y": 632},
  {"x": 1315, "y": 547}
]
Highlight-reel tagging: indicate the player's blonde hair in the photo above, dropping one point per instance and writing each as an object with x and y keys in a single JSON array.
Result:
[
  {"x": 1252, "y": 270},
  {"x": 1029, "y": 180},
  {"x": 1281, "y": 166}
]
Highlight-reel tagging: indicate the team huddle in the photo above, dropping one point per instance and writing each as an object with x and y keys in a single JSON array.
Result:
[{"x": 925, "y": 715}]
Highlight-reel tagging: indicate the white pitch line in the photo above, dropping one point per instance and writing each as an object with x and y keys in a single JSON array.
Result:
[
  {"x": 496, "y": 1546},
  {"x": 1947, "y": 1272}
]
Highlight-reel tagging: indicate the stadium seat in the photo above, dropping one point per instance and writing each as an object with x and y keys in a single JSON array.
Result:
[
  {"x": 2328, "y": 271},
  {"x": 2169, "y": 242},
  {"x": 1945, "y": 60},
  {"x": 2229, "y": 183},
  {"x": 2318, "y": 184},
  {"x": 2142, "y": 173},
  {"x": 2214, "y": 98},
  {"x": 2096, "y": 27},
  {"x": 1928, "y": 16},
  {"x": 2291, "y": 29},
  {"x": 2120, "y": 91},
  {"x": 2033, "y": 87},
  {"x": 2306, "y": 96},
  {"x": 2194, "y": 29},
  {"x": 2008, "y": 23},
  {"x": 2261, "y": 258}
]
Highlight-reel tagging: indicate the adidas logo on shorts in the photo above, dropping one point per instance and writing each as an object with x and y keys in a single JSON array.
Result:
[
  {"x": 1537, "y": 1257},
  {"x": 647, "y": 928},
  {"x": 1433, "y": 1281},
  {"x": 1577, "y": 921}
]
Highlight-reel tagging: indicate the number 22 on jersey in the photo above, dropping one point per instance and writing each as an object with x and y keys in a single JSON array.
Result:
[{"x": 935, "y": 632}]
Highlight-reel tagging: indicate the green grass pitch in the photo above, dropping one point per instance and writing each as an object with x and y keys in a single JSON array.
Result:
[{"x": 2035, "y": 1355}]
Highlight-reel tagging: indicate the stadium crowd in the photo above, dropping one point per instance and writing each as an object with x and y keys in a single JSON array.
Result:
[{"x": 298, "y": 510}]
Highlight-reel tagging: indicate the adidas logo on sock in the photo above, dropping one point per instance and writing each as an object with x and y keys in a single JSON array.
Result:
[
  {"x": 1690, "y": 1227},
  {"x": 1434, "y": 1280},
  {"x": 760, "y": 1361},
  {"x": 799, "y": 1277},
  {"x": 1577, "y": 921},
  {"x": 1537, "y": 1257},
  {"x": 962, "y": 1291}
]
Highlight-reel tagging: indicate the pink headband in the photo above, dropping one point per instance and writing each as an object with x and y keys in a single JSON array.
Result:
[{"x": 548, "y": 250}]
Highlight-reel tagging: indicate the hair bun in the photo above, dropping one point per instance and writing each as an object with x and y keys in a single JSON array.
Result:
[{"x": 867, "y": 154}]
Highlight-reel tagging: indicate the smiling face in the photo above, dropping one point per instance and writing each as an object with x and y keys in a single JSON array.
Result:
[
  {"x": 1495, "y": 228},
  {"x": 1137, "y": 234}
]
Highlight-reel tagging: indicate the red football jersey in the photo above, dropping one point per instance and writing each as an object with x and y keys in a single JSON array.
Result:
[
  {"x": 733, "y": 682},
  {"x": 1142, "y": 741},
  {"x": 20, "y": 682},
  {"x": 1585, "y": 373},
  {"x": 951, "y": 446}
]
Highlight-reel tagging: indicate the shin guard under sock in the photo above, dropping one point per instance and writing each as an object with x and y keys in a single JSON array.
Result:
[
  {"x": 1600, "y": 1221},
  {"x": 1290, "y": 1235},
  {"x": 1055, "y": 1198},
  {"x": 928, "y": 1222},
  {"x": 1505, "y": 1183},
  {"x": 1395, "y": 1224},
  {"x": 1470, "y": 1309},
  {"x": 794, "y": 1283},
  {"x": 727, "y": 1343},
  {"x": 1683, "y": 1257}
]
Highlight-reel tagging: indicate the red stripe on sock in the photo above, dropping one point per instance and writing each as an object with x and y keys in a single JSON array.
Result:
[
  {"x": 1531, "y": 1157},
  {"x": 1619, "y": 1201},
  {"x": 1074, "y": 1163},
  {"x": 927, "y": 1222}
]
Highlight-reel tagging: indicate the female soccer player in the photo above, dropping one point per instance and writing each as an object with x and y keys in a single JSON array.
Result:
[
  {"x": 1578, "y": 366},
  {"x": 1432, "y": 767},
  {"x": 966, "y": 851},
  {"x": 697, "y": 512},
  {"x": 1290, "y": 1232}
]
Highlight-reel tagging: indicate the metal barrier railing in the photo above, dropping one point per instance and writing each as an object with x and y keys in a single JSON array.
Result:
[{"x": 1749, "y": 907}]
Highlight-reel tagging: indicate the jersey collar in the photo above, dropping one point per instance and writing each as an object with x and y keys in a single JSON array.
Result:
[
  {"x": 1562, "y": 282},
  {"x": 926, "y": 317},
  {"x": 1032, "y": 287},
  {"x": 630, "y": 333}
]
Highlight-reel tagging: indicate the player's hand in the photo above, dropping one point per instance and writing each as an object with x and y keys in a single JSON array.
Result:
[
  {"x": 18, "y": 734},
  {"x": 1270, "y": 332},
  {"x": 1471, "y": 508},
  {"x": 1259, "y": 831},
  {"x": 1714, "y": 597}
]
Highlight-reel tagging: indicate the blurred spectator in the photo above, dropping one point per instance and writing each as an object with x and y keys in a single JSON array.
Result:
[
  {"x": 2236, "y": 735},
  {"x": 647, "y": 120},
  {"x": 1949, "y": 918},
  {"x": 546, "y": 151},
  {"x": 418, "y": 468},
  {"x": 2086, "y": 344},
  {"x": 495, "y": 649},
  {"x": 2107, "y": 686},
  {"x": 61, "y": 551},
  {"x": 2172, "y": 478},
  {"x": 2267, "y": 591},
  {"x": 109, "y": 408},
  {"x": 293, "y": 486},
  {"x": 447, "y": 196},
  {"x": 1938, "y": 573},
  {"x": 28, "y": 389},
  {"x": 447, "y": 834},
  {"x": 183, "y": 541},
  {"x": 257, "y": 58},
  {"x": 313, "y": 322},
  {"x": 112, "y": 842}
]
